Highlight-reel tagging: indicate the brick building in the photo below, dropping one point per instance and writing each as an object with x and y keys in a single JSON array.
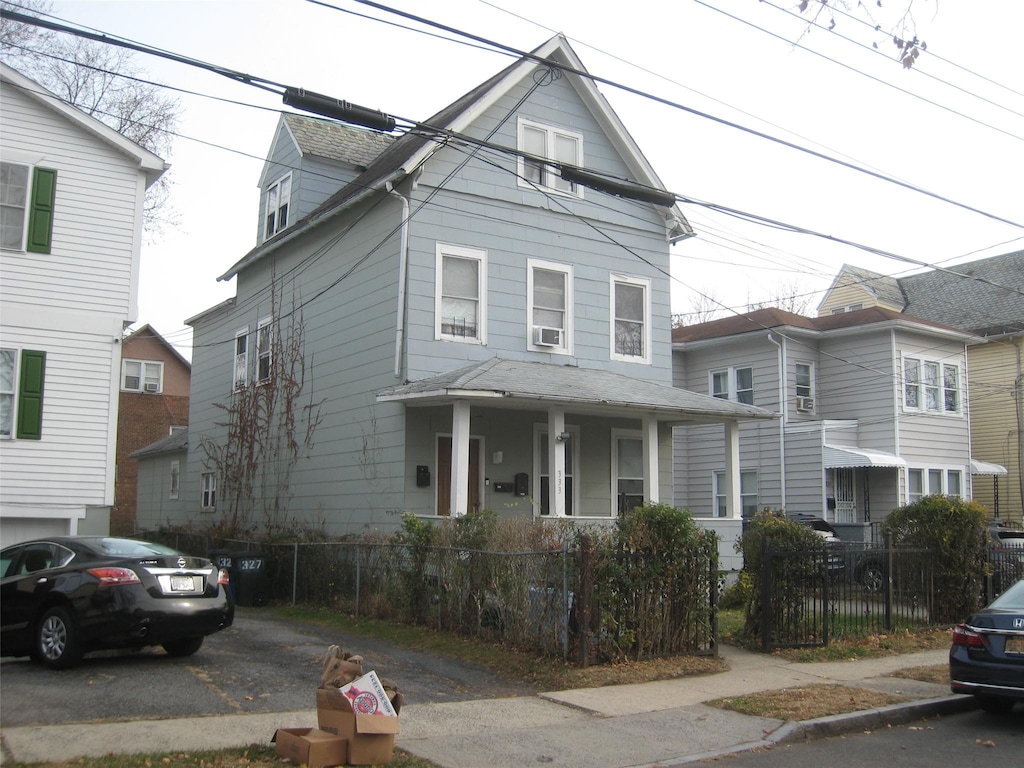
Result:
[{"x": 153, "y": 404}]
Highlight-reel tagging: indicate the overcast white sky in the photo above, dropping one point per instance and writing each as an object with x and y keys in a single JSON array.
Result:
[{"x": 968, "y": 144}]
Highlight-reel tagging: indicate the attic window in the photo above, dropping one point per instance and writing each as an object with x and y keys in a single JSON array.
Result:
[
  {"x": 278, "y": 196},
  {"x": 555, "y": 144}
]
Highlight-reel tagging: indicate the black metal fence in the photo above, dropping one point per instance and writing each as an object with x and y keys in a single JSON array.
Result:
[
  {"x": 813, "y": 597},
  {"x": 567, "y": 602}
]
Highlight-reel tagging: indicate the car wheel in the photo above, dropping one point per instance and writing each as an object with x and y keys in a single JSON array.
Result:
[
  {"x": 871, "y": 577},
  {"x": 186, "y": 646},
  {"x": 995, "y": 705},
  {"x": 57, "y": 643}
]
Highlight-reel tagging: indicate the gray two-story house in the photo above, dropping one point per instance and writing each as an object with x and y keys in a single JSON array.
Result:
[
  {"x": 475, "y": 317},
  {"x": 873, "y": 406}
]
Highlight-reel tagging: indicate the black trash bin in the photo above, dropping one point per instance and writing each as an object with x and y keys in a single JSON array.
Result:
[
  {"x": 221, "y": 558},
  {"x": 250, "y": 578}
]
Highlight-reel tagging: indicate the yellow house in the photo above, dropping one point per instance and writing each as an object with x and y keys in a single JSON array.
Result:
[{"x": 984, "y": 297}]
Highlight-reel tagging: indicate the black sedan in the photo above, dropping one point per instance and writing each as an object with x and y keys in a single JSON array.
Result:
[
  {"x": 987, "y": 655},
  {"x": 62, "y": 597}
]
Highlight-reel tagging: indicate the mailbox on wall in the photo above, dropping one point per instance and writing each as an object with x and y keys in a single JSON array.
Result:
[
  {"x": 522, "y": 483},
  {"x": 422, "y": 476}
]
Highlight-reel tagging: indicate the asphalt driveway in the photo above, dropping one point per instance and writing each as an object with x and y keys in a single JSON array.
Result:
[{"x": 260, "y": 664}]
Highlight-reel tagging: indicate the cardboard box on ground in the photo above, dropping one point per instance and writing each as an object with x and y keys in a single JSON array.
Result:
[{"x": 357, "y": 715}]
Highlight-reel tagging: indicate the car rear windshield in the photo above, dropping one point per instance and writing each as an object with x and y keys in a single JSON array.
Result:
[
  {"x": 132, "y": 548},
  {"x": 1012, "y": 599}
]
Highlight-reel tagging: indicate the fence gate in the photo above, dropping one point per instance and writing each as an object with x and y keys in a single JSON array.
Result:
[{"x": 795, "y": 598}]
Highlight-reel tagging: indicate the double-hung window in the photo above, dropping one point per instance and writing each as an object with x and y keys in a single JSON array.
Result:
[
  {"x": 627, "y": 471},
  {"x": 21, "y": 393},
  {"x": 748, "y": 493},
  {"x": 736, "y": 384},
  {"x": 631, "y": 319},
  {"x": 932, "y": 480},
  {"x": 278, "y": 198},
  {"x": 460, "y": 306},
  {"x": 543, "y": 142},
  {"x": 264, "y": 349},
  {"x": 549, "y": 293},
  {"x": 241, "y": 363},
  {"x": 209, "y": 491},
  {"x": 175, "y": 479},
  {"x": 929, "y": 385},
  {"x": 142, "y": 376},
  {"x": 27, "y": 197}
]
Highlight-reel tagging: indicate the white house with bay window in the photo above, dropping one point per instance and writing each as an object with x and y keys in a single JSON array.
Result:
[
  {"x": 479, "y": 330},
  {"x": 873, "y": 406},
  {"x": 71, "y": 208}
]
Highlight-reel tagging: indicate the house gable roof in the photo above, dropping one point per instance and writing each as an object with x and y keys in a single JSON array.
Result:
[
  {"x": 531, "y": 383},
  {"x": 147, "y": 328},
  {"x": 772, "y": 318},
  {"x": 150, "y": 164},
  {"x": 414, "y": 147}
]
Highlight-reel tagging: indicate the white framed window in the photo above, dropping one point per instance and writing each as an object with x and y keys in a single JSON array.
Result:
[
  {"x": 209, "y": 491},
  {"x": 460, "y": 295},
  {"x": 927, "y": 481},
  {"x": 27, "y": 202},
  {"x": 555, "y": 144},
  {"x": 733, "y": 383},
  {"x": 804, "y": 380},
  {"x": 142, "y": 376},
  {"x": 264, "y": 349},
  {"x": 549, "y": 296},
  {"x": 748, "y": 493},
  {"x": 278, "y": 199},
  {"x": 241, "y": 358},
  {"x": 627, "y": 470},
  {"x": 847, "y": 308},
  {"x": 8, "y": 388},
  {"x": 931, "y": 385},
  {"x": 542, "y": 470},
  {"x": 175, "y": 479},
  {"x": 630, "y": 319}
]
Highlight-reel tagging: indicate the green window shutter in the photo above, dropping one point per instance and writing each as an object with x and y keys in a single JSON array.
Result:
[
  {"x": 40, "y": 217},
  {"x": 30, "y": 395}
]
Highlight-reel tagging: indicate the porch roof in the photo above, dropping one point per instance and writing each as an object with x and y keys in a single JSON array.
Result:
[
  {"x": 986, "y": 468},
  {"x": 839, "y": 456},
  {"x": 529, "y": 384}
]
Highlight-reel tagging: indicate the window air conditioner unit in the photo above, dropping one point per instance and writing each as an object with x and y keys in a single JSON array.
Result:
[
  {"x": 152, "y": 387},
  {"x": 805, "y": 404},
  {"x": 547, "y": 337}
]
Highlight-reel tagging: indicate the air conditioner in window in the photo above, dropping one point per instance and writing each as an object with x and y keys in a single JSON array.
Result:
[
  {"x": 152, "y": 387},
  {"x": 547, "y": 337},
  {"x": 805, "y": 404}
]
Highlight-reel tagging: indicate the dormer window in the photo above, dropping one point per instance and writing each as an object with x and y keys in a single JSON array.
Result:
[
  {"x": 555, "y": 144},
  {"x": 278, "y": 197}
]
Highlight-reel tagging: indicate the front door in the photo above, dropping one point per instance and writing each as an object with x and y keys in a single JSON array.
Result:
[
  {"x": 846, "y": 503},
  {"x": 444, "y": 475}
]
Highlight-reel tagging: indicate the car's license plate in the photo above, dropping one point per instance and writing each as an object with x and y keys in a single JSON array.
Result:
[
  {"x": 1015, "y": 645},
  {"x": 182, "y": 584}
]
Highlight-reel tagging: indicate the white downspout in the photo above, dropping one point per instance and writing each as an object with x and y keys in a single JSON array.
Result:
[
  {"x": 784, "y": 410},
  {"x": 403, "y": 260}
]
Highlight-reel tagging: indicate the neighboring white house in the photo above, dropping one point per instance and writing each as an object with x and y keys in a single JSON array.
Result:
[
  {"x": 71, "y": 191},
  {"x": 874, "y": 414},
  {"x": 480, "y": 329}
]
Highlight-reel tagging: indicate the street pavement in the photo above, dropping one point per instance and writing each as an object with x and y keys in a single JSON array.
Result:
[{"x": 661, "y": 723}]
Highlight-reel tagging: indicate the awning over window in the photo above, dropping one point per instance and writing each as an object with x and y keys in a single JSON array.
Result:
[
  {"x": 838, "y": 456},
  {"x": 986, "y": 468}
]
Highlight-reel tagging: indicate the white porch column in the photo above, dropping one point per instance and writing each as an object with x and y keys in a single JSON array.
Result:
[
  {"x": 460, "y": 458},
  {"x": 651, "y": 478},
  {"x": 733, "y": 507},
  {"x": 556, "y": 456}
]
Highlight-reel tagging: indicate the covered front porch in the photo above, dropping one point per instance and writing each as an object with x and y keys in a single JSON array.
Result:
[{"x": 550, "y": 441}]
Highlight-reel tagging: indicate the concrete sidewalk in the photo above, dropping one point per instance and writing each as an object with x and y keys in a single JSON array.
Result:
[{"x": 661, "y": 723}]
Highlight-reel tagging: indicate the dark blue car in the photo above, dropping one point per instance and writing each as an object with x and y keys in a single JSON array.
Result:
[
  {"x": 987, "y": 655},
  {"x": 65, "y": 596}
]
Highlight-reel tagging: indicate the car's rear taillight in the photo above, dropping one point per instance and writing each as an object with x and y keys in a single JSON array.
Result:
[
  {"x": 222, "y": 578},
  {"x": 111, "y": 577},
  {"x": 964, "y": 635}
]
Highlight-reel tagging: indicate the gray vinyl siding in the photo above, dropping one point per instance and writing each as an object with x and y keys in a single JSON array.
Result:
[
  {"x": 156, "y": 508},
  {"x": 805, "y": 479}
]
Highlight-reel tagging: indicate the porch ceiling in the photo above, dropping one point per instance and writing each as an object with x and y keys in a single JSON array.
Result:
[
  {"x": 986, "y": 468},
  {"x": 514, "y": 383},
  {"x": 839, "y": 456}
]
